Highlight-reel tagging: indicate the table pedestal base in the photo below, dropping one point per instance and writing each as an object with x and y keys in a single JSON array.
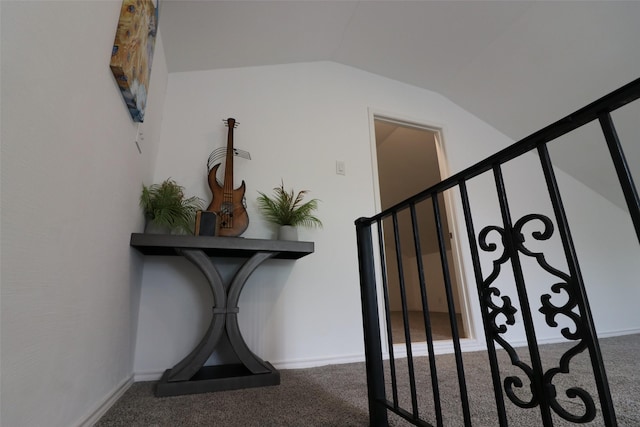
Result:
[
  {"x": 190, "y": 375},
  {"x": 217, "y": 378}
]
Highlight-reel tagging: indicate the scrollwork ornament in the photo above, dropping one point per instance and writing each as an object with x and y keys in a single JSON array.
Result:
[
  {"x": 513, "y": 381},
  {"x": 494, "y": 310},
  {"x": 492, "y": 247},
  {"x": 570, "y": 310},
  {"x": 589, "y": 406},
  {"x": 506, "y": 309}
]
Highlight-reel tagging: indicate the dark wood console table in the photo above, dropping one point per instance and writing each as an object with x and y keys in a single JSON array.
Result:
[{"x": 190, "y": 375}]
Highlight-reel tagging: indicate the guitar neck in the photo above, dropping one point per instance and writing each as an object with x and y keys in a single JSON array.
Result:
[{"x": 228, "y": 171}]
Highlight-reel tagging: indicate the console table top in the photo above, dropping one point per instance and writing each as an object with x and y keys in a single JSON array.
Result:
[{"x": 166, "y": 244}]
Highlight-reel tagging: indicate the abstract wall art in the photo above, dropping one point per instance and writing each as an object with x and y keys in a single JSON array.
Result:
[{"x": 132, "y": 53}]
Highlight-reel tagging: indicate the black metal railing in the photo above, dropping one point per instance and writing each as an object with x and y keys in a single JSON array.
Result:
[{"x": 377, "y": 234}]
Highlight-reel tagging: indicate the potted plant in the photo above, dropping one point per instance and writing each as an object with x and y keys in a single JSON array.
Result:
[
  {"x": 288, "y": 211},
  {"x": 166, "y": 208}
]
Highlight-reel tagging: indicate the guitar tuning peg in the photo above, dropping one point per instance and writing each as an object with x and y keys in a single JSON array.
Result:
[{"x": 235, "y": 123}]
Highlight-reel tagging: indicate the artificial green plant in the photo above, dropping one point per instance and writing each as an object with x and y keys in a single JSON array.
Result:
[
  {"x": 287, "y": 208},
  {"x": 165, "y": 205}
]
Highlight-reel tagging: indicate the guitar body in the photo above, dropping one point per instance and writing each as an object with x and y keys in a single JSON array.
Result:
[
  {"x": 231, "y": 212},
  {"x": 227, "y": 202}
]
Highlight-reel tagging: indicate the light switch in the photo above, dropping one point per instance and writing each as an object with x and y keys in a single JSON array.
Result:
[{"x": 340, "y": 167}]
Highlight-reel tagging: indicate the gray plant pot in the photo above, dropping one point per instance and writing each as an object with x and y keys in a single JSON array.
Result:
[{"x": 287, "y": 232}]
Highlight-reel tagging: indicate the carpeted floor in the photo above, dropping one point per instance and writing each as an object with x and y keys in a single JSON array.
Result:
[{"x": 335, "y": 395}]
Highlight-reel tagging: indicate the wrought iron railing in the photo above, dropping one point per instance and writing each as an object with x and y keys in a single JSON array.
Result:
[{"x": 374, "y": 236}]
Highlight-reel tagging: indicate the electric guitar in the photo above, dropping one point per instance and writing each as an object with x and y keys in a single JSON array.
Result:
[{"x": 228, "y": 203}]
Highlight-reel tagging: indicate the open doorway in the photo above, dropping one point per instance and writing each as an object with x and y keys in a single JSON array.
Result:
[{"x": 409, "y": 160}]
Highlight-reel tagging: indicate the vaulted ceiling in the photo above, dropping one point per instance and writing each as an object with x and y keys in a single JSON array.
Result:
[{"x": 517, "y": 65}]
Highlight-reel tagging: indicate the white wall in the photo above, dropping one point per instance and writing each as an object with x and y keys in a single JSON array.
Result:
[
  {"x": 296, "y": 121},
  {"x": 71, "y": 177},
  {"x": 608, "y": 250}
]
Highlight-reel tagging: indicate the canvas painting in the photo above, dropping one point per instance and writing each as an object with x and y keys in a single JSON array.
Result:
[{"x": 132, "y": 53}]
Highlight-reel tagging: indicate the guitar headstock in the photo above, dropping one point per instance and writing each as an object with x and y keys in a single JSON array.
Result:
[{"x": 231, "y": 123}]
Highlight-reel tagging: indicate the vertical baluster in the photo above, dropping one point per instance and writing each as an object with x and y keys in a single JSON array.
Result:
[
  {"x": 488, "y": 331},
  {"x": 583, "y": 303},
  {"x": 532, "y": 342},
  {"x": 373, "y": 346},
  {"x": 427, "y": 320},
  {"x": 622, "y": 169},
  {"x": 405, "y": 316},
  {"x": 387, "y": 312},
  {"x": 464, "y": 398}
]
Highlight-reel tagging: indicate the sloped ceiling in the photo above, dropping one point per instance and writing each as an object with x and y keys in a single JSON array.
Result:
[{"x": 517, "y": 65}]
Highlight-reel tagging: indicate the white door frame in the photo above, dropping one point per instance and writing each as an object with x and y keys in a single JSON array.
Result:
[{"x": 445, "y": 346}]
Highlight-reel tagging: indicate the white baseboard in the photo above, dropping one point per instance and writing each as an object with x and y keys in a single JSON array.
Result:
[
  {"x": 399, "y": 350},
  {"x": 286, "y": 364},
  {"x": 318, "y": 361},
  {"x": 103, "y": 406},
  {"x": 561, "y": 339},
  {"x": 147, "y": 376},
  {"x": 618, "y": 333},
  {"x": 446, "y": 346},
  {"x": 439, "y": 347}
]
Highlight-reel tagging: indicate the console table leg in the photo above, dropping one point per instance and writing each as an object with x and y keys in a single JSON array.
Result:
[
  {"x": 190, "y": 375},
  {"x": 187, "y": 367},
  {"x": 246, "y": 356}
]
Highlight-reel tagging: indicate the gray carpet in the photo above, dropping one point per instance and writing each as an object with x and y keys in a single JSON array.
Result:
[{"x": 335, "y": 395}]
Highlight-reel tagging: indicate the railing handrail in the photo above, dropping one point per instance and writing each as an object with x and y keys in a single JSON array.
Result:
[{"x": 608, "y": 103}]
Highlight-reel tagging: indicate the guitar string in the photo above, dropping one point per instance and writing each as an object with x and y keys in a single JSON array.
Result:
[{"x": 227, "y": 198}]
